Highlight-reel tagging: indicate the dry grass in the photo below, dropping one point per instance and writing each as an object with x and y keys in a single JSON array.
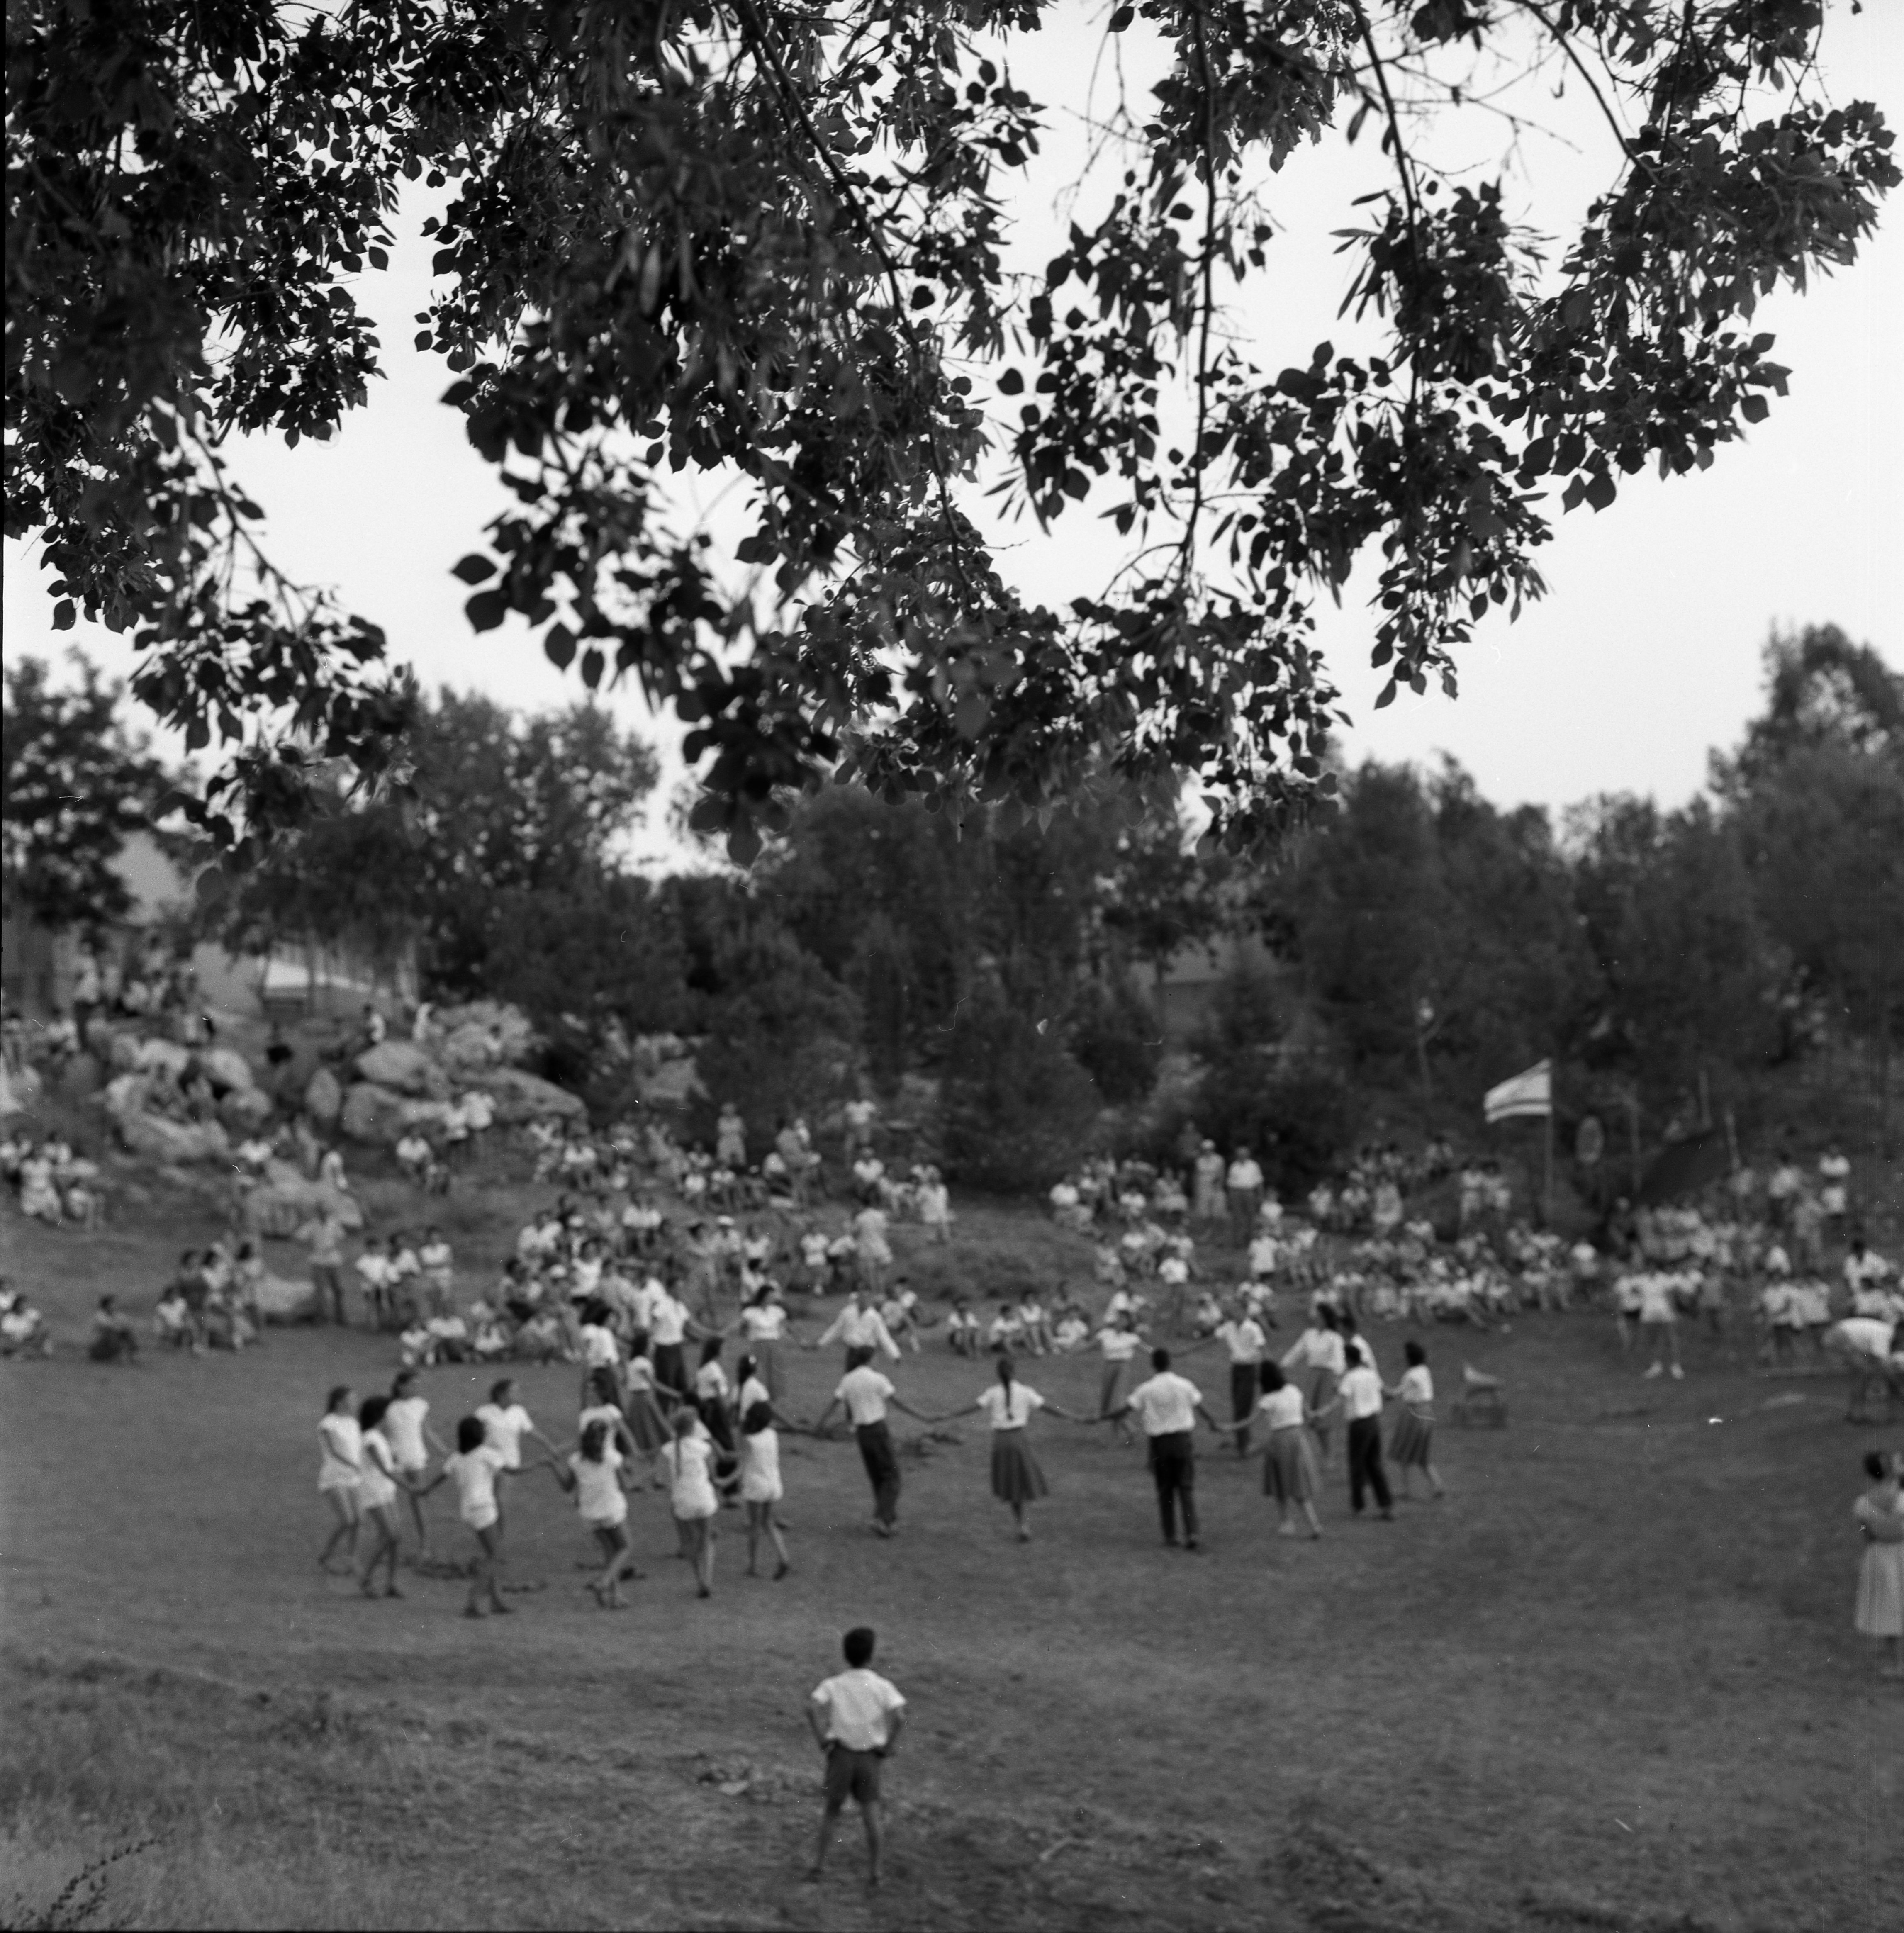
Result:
[{"x": 1611, "y": 1683}]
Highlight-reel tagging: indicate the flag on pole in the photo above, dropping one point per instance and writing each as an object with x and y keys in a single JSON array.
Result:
[{"x": 1529, "y": 1093}]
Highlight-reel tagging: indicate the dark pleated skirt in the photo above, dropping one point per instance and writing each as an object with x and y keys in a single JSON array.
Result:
[
  {"x": 1290, "y": 1466},
  {"x": 646, "y": 1425},
  {"x": 1016, "y": 1476},
  {"x": 1412, "y": 1437}
]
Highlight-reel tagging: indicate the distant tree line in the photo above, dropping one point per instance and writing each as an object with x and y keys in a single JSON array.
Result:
[{"x": 1421, "y": 945}]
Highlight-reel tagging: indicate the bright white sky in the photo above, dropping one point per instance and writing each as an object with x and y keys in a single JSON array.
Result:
[{"x": 1644, "y": 655}]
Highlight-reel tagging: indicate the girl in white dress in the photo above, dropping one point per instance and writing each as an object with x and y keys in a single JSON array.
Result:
[
  {"x": 1880, "y": 1515},
  {"x": 478, "y": 1468},
  {"x": 691, "y": 1496},
  {"x": 761, "y": 1487},
  {"x": 594, "y": 1477},
  {"x": 411, "y": 1441},
  {"x": 378, "y": 1486},
  {"x": 339, "y": 1471}
]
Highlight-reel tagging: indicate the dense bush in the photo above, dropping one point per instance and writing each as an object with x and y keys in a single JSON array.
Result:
[
  {"x": 1299, "y": 1122},
  {"x": 1017, "y": 1109},
  {"x": 1116, "y": 1038}
]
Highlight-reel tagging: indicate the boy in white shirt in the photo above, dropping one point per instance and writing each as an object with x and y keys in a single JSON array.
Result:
[{"x": 857, "y": 1717}]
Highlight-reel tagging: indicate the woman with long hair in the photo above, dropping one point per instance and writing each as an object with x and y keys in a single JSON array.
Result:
[{"x": 1009, "y": 1405}]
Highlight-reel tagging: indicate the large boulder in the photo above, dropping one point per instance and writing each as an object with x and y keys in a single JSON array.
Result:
[
  {"x": 371, "y": 1114},
  {"x": 425, "y": 1113},
  {"x": 284, "y": 1200},
  {"x": 164, "y": 1056},
  {"x": 126, "y": 1094},
  {"x": 20, "y": 1089},
  {"x": 467, "y": 1050},
  {"x": 81, "y": 1075},
  {"x": 673, "y": 1084},
  {"x": 226, "y": 1067},
  {"x": 523, "y": 1096},
  {"x": 484, "y": 1032},
  {"x": 283, "y": 1299},
  {"x": 409, "y": 1069},
  {"x": 243, "y": 1109},
  {"x": 173, "y": 1142},
  {"x": 323, "y": 1098}
]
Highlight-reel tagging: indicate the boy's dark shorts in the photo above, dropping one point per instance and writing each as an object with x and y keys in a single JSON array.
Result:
[{"x": 851, "y": 1775}]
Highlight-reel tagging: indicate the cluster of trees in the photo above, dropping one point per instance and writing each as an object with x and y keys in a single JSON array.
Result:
[
  {"x": 1422, "y": 945},
  {"x": 774, "y": 240}
]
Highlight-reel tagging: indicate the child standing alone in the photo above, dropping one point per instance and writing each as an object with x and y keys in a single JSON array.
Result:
[{"x": 857, "y": 1717}]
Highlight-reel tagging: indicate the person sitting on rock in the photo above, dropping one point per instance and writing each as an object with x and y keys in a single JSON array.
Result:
[{"x": 413, "y": 1156}]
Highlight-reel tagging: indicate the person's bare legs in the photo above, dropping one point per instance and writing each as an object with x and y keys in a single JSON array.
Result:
[
  {"x": 1024, "y": 1528},
  {"x": 869, "y": 1812},
  {"x": 607, "y": 1588},
  {"x": 345, "y": 1503},
  {"x": 417, "y": 1518},
  {"x": 382, "y": 1525},
  {"x": 828, "y": 1818}
]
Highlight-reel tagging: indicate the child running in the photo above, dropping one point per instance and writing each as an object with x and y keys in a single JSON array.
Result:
[
  {"x": 691, "y": 1496},
  {"x": 378, "y": 1485},
  {"x": 594, "y": 1477},
  {"x": 411, "y": 1441},
  {"x": 477, "y": 1468},
  {"x": 340, "y": 1471},
  {"x": 761, "y": 1487},
  {"x": 857, "y": 1716}
]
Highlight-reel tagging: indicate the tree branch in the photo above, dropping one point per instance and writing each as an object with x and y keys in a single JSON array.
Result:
[{"x": 1186, "y": 554}]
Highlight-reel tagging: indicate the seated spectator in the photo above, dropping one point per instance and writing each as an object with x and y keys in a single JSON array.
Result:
[
  {"x": 23, "y": 1331},
  {"x": 113, "y": 1340},
  {"x": 413, "y": 1156},
  {"x": 171, "y": 1321}
]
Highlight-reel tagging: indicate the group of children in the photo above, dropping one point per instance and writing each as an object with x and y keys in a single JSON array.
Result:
[
  {"x": 375, "y": 1456},
  {"x": 53, "y": 1182}
]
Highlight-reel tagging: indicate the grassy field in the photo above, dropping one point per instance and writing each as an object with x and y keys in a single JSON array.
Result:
[{"x": 1610, "y": 1682}]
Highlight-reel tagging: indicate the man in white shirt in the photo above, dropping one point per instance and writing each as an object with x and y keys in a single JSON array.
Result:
[
  {"x": 1244, "y": 1182},
  {"x": 865, "y": 1395},
  {"x": 1360, "y": 1394},
  {"x": 1166, "y": 1408},
  {"x": 859, "y": 1327},
  {"x": 1243, "y": 1338},
  {"x": 857, "y": 1717}
]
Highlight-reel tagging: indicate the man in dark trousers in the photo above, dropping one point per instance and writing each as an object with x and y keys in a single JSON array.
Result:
[
  {"x": 1360, "y": 1394},
  {"x": 1167, "y": 1408},
  {"x": 865, "y": 1395}
]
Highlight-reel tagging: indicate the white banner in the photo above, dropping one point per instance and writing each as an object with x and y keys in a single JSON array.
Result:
[{"x": 1529, "y": 1093}]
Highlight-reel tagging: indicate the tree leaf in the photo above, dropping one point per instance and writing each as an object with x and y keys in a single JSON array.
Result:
[
  {"x": 474, "y": 568},
  {"x": 487, "y": 610}
]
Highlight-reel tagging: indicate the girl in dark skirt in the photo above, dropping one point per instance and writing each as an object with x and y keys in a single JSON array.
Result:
[
  {"x": 641, "y": 1406},
  {"x": 1288, "y": 1460},
  {"x": 1410, "y": 1445},
  {"x": 1009, "y": 1404}
]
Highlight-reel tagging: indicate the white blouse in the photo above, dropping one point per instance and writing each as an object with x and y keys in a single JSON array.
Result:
[
  {"x": 1281, "y": 1408},
  {"x": 1009, "y": 1406}
]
